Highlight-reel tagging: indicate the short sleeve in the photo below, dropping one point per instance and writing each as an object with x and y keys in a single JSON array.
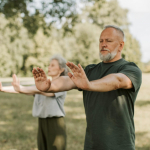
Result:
[
  {"x": 88, "y": 68},
  {"x": 59, "y": 94},
  {"x": 134, "y": 74}
]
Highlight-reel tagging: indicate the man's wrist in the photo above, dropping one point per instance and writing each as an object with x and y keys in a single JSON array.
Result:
[
  {"x": 88, "y": 86},
  {"x": 48, "y": 90}
]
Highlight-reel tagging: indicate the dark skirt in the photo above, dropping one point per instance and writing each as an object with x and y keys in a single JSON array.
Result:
[{"x": 51, "y": 134}]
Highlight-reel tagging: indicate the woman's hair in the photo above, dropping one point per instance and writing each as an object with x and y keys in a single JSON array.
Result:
[{"x": 62, "y": 64}]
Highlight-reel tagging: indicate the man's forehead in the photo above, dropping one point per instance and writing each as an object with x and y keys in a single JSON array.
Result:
[{"x": 109, "y": 33}]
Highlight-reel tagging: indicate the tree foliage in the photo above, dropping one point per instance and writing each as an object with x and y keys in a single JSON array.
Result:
[
  {"x": 42, "y": 13},
  {"x": 107, "y": 12},
  {"x": 20, "y": 51}
]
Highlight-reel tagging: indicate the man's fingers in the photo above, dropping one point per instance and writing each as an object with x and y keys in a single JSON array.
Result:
[
  {"x": 70, "y": 65},
  {"x": 40, "y": 70},
  {"x": 70, "y": 74},
  {"x": 73, "y": 67},
  {"x": 34, "y": 71},
  {"x": 41, "y": 73},
  {"x": 81, "y": 69}
]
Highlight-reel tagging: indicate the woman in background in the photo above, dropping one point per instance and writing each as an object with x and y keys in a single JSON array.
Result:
[{"x": 48, "y": 107}]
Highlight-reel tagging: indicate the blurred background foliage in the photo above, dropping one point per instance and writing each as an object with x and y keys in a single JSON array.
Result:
[{"x": 31, "y": 31}]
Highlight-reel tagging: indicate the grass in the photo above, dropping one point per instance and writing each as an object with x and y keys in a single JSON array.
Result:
[{"x": 18, "y": 129}]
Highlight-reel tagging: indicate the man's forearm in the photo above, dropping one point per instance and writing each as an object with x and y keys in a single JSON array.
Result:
[
  {"x": 108, "y": 83},
  {"x": 63, "y": 83}
]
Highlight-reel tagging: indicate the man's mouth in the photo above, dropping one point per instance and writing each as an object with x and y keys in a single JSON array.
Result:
[{"x": 104, "y": 50}]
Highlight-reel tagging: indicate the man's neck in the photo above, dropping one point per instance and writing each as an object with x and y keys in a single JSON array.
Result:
[{"x": 113, "y": 60}]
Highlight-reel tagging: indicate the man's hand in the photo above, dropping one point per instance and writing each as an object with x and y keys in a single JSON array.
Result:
[
  {"x": 41, "y": 81},
  {"x": 78, "y": 77},
  {"x": 16, "y": 83}
]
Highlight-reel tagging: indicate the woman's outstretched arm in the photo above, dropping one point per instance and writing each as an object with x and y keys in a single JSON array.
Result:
[
  {"x": 30, "y": 90},
  {"x": 17, "y": 88},
  {"x": 7, "y": 89}
]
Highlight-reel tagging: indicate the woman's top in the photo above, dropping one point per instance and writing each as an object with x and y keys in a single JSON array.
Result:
[{"x": 49, "y": 106}]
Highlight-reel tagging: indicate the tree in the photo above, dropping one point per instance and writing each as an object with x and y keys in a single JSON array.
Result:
[
  {"x": 14, "y": 44},
  {"x": 22, "y": 51},
  {"x": 103, "y": 13},
  {"x": 82, "y": 47},
  {"x": 147, "y": 67},
  {"x": 44, "y": 48},
  {"x": 6, "y": 63},
  {"x": 131, "y": 51},
  {"x": 44, "y": 13}
]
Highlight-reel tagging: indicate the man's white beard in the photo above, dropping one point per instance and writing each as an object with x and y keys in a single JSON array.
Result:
[{"x": 109, "y": 56}]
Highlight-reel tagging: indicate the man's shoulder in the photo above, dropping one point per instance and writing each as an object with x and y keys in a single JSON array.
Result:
[
  {"x": 91, "y": 66},
  {"x": 127, "y": 64}
]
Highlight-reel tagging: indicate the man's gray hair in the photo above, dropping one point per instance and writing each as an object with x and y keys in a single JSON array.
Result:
[
  {"x": 117, "y": 28},
  {"x": 62, "y": 64}
]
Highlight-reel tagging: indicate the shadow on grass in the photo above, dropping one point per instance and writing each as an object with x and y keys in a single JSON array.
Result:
[
  {"x": 140, "y": 134},
  {"x": 141, "y": 103},
  {"x": 143, "y": 148},
  {"x": 18, "y": 129},
  {"x": 143, "y": 142}
]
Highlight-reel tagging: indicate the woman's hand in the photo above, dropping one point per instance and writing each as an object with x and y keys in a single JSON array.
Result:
[
  {"x": 16, "y": 83},
  {"x": 1, "y": 87}
]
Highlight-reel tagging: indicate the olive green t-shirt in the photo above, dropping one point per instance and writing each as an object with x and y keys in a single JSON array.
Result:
[{"x": 110, "y": 115}]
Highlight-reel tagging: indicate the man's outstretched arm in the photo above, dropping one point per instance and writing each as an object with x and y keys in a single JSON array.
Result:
[
  {"x": 62, "y": 83},
  {"x": 105, "y": 84}
]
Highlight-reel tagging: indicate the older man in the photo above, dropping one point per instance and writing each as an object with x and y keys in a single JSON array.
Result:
[{"x": 109, "y": 90}]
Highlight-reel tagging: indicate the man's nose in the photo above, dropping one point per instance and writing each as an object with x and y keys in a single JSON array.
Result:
[{"x": 103, "y": 44}]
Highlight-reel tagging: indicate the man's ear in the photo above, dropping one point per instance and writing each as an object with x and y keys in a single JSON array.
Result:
[{"x": 121, "y": 46}]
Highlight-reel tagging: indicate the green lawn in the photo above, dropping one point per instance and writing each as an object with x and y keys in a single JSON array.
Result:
[{"x": 18, "y": 129}]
